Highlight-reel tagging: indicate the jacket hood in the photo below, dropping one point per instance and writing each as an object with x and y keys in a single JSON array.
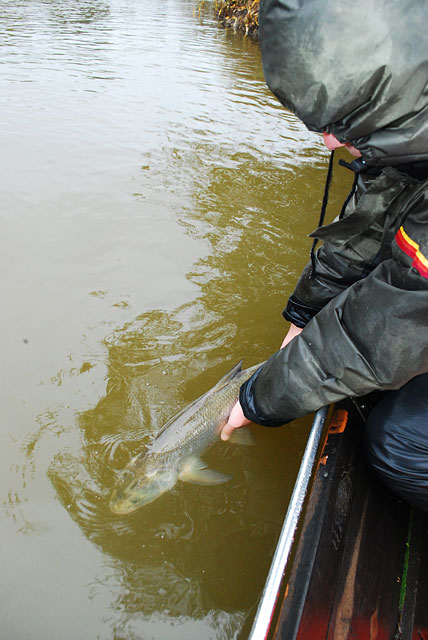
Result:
[{"x": 357, "y": 70}]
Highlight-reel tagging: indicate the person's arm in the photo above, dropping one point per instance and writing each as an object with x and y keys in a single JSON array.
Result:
[
  {"x": 351, "y": 246},
  {"x": 350, "y": 251},
  {"x": 371, "y": 336}
]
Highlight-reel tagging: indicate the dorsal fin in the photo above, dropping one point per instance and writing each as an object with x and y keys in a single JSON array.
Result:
[{"x": 228, "y": 377}]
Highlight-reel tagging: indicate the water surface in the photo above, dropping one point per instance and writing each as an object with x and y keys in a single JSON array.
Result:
[{"x": 155, "y": 203}]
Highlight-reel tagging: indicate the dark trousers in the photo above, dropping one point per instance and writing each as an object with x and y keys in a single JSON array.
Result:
[{"x": 397, "y": 440}]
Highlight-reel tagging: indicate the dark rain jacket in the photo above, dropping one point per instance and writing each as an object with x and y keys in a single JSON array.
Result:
[{"x": 358, "y": 71}]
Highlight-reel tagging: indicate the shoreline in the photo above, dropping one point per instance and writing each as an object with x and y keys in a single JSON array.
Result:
[{"x": 240, "y": 15}]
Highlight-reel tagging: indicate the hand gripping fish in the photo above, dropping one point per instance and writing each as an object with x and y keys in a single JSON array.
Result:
[{"x": 175, "y": 452}]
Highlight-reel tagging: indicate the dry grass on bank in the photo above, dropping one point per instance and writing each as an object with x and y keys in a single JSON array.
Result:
[{"x": 239, "y": 15}]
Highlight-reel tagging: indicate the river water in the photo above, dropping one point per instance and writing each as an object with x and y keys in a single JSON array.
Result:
[{"x": 155, "y": 201}]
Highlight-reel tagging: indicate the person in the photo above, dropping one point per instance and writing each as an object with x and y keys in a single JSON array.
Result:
[{"x": 357, "y": 72}]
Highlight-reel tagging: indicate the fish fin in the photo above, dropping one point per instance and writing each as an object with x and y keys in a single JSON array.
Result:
[
  {"x": 242, "y": 436},
  {"x": 228, "y": 377},
  {"x": 196, "y": 471}
]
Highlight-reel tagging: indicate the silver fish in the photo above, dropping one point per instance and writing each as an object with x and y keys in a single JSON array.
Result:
[{"x": 175, "y": 452}]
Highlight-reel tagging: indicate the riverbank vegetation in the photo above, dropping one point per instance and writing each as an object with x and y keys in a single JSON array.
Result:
[{"x": 239, "y": 15}]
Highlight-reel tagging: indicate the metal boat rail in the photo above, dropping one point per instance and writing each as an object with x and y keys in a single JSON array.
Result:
[{"x": 269, "y": 597}]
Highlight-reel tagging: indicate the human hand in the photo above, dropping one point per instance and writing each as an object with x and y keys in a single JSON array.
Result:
[
  {"x": 236, "y": 420},
  {"x": 292, "y": 333}
]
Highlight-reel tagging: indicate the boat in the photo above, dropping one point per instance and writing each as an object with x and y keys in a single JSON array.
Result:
[{"x": 352, "y": 558}]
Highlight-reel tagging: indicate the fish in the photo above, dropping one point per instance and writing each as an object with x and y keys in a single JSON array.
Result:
[{"x": 175, "y": 453}]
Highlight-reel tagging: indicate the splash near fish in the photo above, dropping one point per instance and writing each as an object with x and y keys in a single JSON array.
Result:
[{"x": 175, "y": 452}]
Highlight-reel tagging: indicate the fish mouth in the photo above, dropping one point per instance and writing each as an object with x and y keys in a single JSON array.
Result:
[
  {"x": 127, "y": 498},
  {"x": 122, "y": 509},
  {"x": 121, "y": 504}
]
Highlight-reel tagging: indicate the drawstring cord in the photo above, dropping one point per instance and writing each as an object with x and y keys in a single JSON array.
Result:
[
  {"x": 324, "y": 206},
  {"x": 323, "y": 210},
  {"x": 349, "y": 196}
]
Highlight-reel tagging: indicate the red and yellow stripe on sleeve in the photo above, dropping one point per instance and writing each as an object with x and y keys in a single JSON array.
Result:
[{"x": 411, "y": 248}]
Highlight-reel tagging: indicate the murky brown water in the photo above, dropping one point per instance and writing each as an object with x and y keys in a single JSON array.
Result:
[{"x": 154, "y": 206}]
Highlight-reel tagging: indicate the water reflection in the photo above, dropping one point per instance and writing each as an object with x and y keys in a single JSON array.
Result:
[
  {"x": 86, "y": 12},
  {"x": 155, "y": 199},
  {"x": 187, "y": 554}
]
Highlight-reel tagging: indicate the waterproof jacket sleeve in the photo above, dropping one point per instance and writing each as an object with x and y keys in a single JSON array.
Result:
[
  {"x": 352, "y": 245},
  {"x": 372, "y": 335}
]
